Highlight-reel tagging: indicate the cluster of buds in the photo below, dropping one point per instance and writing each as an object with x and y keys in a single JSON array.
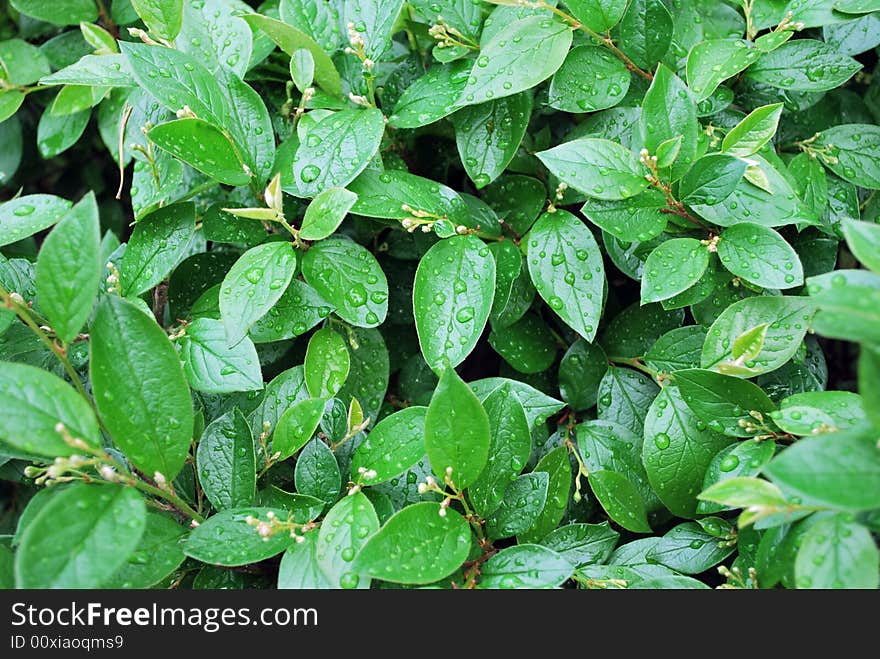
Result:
[
  {"x": 138, "y": 33},
  {"x": 264, "y": 444},
  {"x": 272, "y": 526},
  {"x": 824, "y": 153},
  {"x": 431, "y": 485},
  {"x": 560, "y": 191},
  {"x": 787, "y": 24},
  {"x": 647, "y": 159},
  {"x": 186, "y": 113},
  {"x": 604, "y": 584},
  {"x": 112, "y": 280},
  {"x": 363, "y": 474},
  {"x": 735, "y": 578},
  {"x": 448, "y": 36},
  {"x": 58, "y": 470},
  {"x": 755, "y": 427},
  {"x": 357, "y": 47},
  {"x": 713, "y": 134},
  {"x": 359, "y": 99},
  {"x": 711, "y": 243},
  {"x": 417, "y": 219}
]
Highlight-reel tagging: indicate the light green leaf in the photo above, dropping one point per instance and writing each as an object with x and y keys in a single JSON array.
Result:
[
  {"x": 317, "y": 472},
  {"x": 713, "y": 61},
  {"x": 836, "y": 552},
  {"x": 326, "y": 363},
  {"x": 432, "y": 96},
  {"x": 597, "y": 167},
  {"x": 343, "y": 533},
  {"x": 753, "y": 132},
  {"x": 162, "y": 17},
  {"x": 58, "y": 12},
  {"x": 620, "y": 499},
  {"x": 672, "y": 268},
  {"x": 591, "y": 78},
  {"x": 212, "y": 366},
  {"x": 525, "y": 566},
  {"x": 297, "y": 311},
  {"x": 326, "y": 212},
  {"x": 394, "y": 445},
  {"x": 299, "y": 567},
  {"x": 225, "y": 462},
  {"x": 711, "y": 179},
  {"x": 646, "y": 32},
  {"x": 598, "y": 15},
  {"x": 158, "y": 554},
  {"x": 296, "y": 427},
  {"x": 723, "y": 402},
  {"x": 634, "y": 219},
  {"x": 203, "y": 146},
  {"x": 688, "y": 549},
  {"x": 668, "y": 111},
  {"x": 761, "y": 256},
  {"x": 804, "y": 65},
  {"x": 96, "y": 71},
  {"x": 863, "y": 240},
  {"x": 227, "y": 539},
  {"x": 139, "y": 387}
]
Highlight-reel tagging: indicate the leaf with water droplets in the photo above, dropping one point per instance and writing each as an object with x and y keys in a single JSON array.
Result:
[
  {"x": 393, "y": 446},
  {"x": 56, "y": 134},
  {"x": 646, "y": 32},
  {"x": 432, "y": 96},
  {"x": 214, "y": 367},
  {"x": 711, "y": 62},
  {"x": 326, "y": 363},
  {"x": 68, "y": 271},
  {"x": 140, "y": 388},
  {"x": 158, "y": 243},
  {"x": 80, "y": 536},
  {"x": 326, "y": 212},
  {"x": 343, "y": 533},
  {"x": 299, "y": 567},
  {"x": 677, "y": 450},
  {"x": 711, "y": 179},
  {"x": 416, "y": 546},
  {"x": 724, "y": 402},
  {"x": 598, "y": 15},
  {"x": 863, "y": 240},
  {"x": 520, "y": 506},
  {"x": 525, "y": 566},
  {"x": 753, "y": 132},
  {"x": 638, "y": 218},
  {"x": 556, "y": 463},
  {"x": 21, "y": 63},
  {"x": 225, "y": 462},
  {"x": 580, "y": 370},
  {"x": 94, "y": 70},
  {"x": 620, "y": 499},
  {"x": 624, "y": 397},
  {"x": 854, "y": 149},
  {"x": 788, "y": 318},
  {"x": 158, "y": 554},
  {"x": 457, "y": 433},
  {"x": 583, "y": 544},
  {"x": 214, "y": 33},
  {"x": 677, "y": 349},
  {"x": 527, "y": 345},
  {"x": 521, "y": 55},
  {"x": 761, "y": 256},
  {"x": 669, "y": 110},
  {"x": 203, "y": 146},
  {"x": 227, "y": 539},
  {"x": 58, "y": 12},
  {"x": 488, "y": 135},
  {"x": 296, "y": 427},
  {"x": 743, "y": 459},
  {"x": 348, "y": 276},
  {"x": 566, "y": 267},
  {"x": 297, "y": 311},
  {"x": 162, "y": 17},
  {"x": 368, "y": 376},
  {"x": 804, "y": 65},
  {"x": 837, "y": 552},
  {"x": 597, "y": 167},
  {"x": 317, "y": 472},
  {"x": 253, "y": 285},
  {"x": 36, "y": 402},
  {"x": 452, "y": 296},
  {"x": 688, "y": 549},
  {"x": 672, "y": 268}
]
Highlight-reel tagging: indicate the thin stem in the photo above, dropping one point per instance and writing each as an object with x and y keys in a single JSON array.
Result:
[
  {"x": 170, "y": 497},
  {"x": 636, "y": 363},
  {"x": 23, "y": 312}
]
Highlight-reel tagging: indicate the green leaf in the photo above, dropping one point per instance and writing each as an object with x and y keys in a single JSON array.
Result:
[
  {"x": 521, "y": 55},
  {"x": 213, "y": 367},
  {"x": 253, "y": 285},
  {"x": 326, "y": 363},
  {"x": 24, "y": 216},
  {"x": 598, "y": 15},
  {"x": 787, "y": 317},
  {"x": 162, "y": 17},
  {"x": 837, "y": 553},
  {"x": 442, "y": 542},
  {"x": 711, "y": 62},
  {"x": 688, "y": 549},
  {"x": 556, "y": 463},
  {"x": 840, "y": 470},
  {"x": 672, "y": 268},
  {"x": 213, "y": 32},
  {"x": 620, "y": 499},
  {"x": 677, "y": 349},
  {"x": 56, "y": 134},
  {"x": 158, "y": 243},
  {"x": 297, "y": 311},
  {"x": 566, "y": 267},
  {"x": 37, "y": 402},
  {"x": 80, "y": 537},
  {"x": 583, "y": 544},
  {"x": 432, "y": 96},
  {"x": 317, "y": 472},
  {"x": 740, "y": 460},
  {"x": 290, "y": 39},
  {"x": 368, "y": 377},
  {"x": 638, "y": 218},
  {"x": 863, "y": 240},
  {"x": 394, "y": 445},
  {"x": 203, "y": 146},
  {"x": 761, "y": 256},
  {"x": 869, "y": 369},
  {"x": 751, "y": 134},
  {"x": 452, "y": 297},
  {"x": 624, "y": 397},
  {"x": 527, "y": 345},
  {"x": 227, "y": 539},
  {"x": 349, "y": 277},
  {"x": 296, "y": 427},
  {"x": 337, "y": 149},
  {"x": 749, "y": 344},
  {"x": 68, "y": 270},
  {"x": 677, "y": 450},
  {"x": 488, "y": 135},
  {"x": 646, "y": 32},
  {"x": 591, "y": 78},
  {"x": 457, "y": 434},
  {"x": 857, "y": 6},
  {"x": 343, "y": 533},
  {"x": 523, "y": 501},
  {"x": 804, "y": 65},
  {"x": 848, "y": 312},
  {"x": 525, "y": 566},
  {"x": 723, "y": 402},
  {"x": 58, "y": 12},
  {"x": 509, "y": 446},
  {"x": 668, "y": 111},
  {"x": 95, "y": 71},
  {"x": 299, "y": 566},
  {"x": 374, "y": 21},
  {"x": 140, "y": 388},
  {"x": 225, "y": 462},
  {"x": 580, "y": 370},
  {"x": 21, "y": 63},
  {"x": 158, "y": 554},
  {"x": 820, "y": 411},
  {"x": 326, "y": 212},
  {"x": 711, "y": 179},
  {"x": 597, "y": 167}
]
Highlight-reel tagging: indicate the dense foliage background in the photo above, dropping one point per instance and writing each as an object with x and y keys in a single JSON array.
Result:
[{"x": 371, "y": 292}]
